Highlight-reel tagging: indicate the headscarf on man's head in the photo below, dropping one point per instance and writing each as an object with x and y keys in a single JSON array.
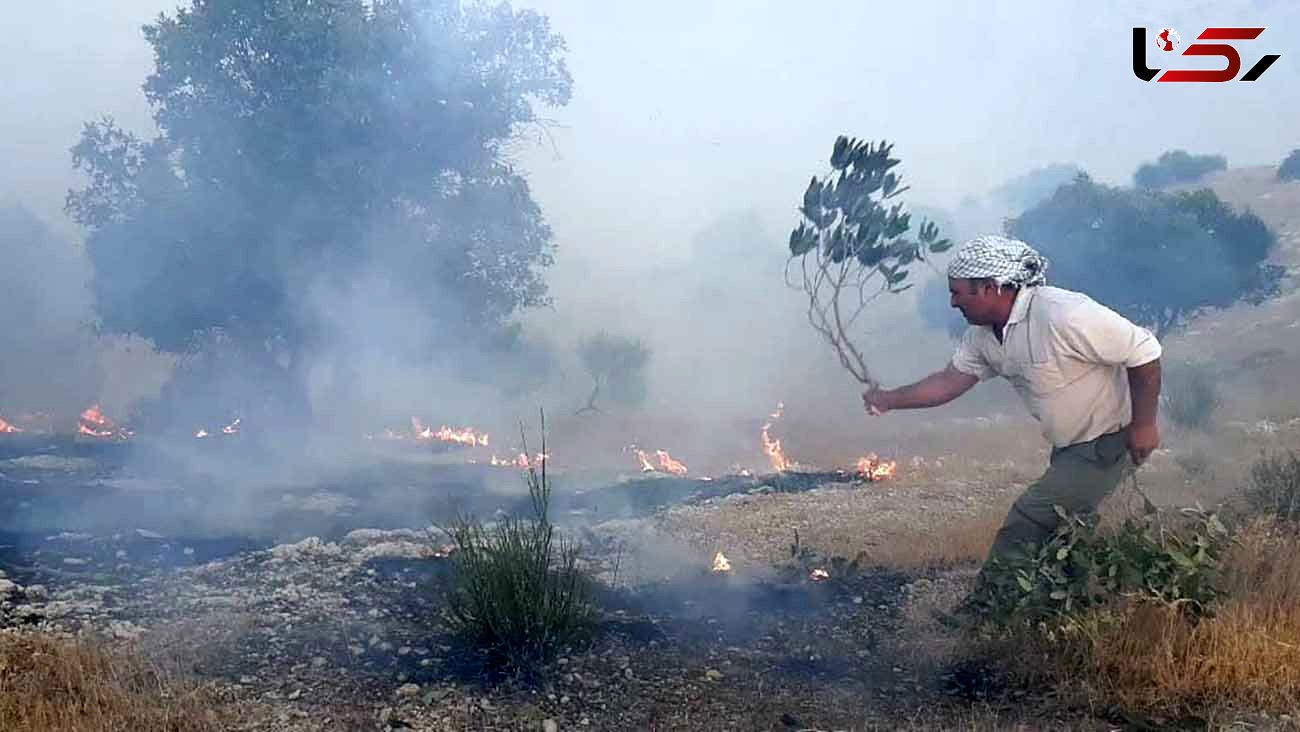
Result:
[{"x": 1005, "y": 261}]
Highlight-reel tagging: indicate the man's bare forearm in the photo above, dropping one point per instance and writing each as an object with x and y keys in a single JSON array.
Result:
[
  {"x": 938, "y": 388},
  {"x": 1144, "y": 388}
]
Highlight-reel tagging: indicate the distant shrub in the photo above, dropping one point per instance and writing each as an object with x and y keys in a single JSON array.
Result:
[
  {"x": 1177, "y": 166},
  {"x": 1190, "y": 394},
  {"x": 1274, "y": 486},
  {"x": 1290, "y": 167}
]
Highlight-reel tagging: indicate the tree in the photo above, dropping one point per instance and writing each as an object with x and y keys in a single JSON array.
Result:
[
  {"x": 615, "y": 363},
  {"x": 1177, "y": 166},
  {"x": 1290, "y": 167},
  {"x": 1154, "y": 257},
  {"x": 304, "y": 143},
  {"x": 852, "y": 247}
]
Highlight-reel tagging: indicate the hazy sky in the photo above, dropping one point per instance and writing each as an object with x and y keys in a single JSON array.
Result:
[{"x": 684, "y": 109}]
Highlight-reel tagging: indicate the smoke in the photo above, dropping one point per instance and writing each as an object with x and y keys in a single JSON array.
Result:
[{"x": 671, "y": 183}]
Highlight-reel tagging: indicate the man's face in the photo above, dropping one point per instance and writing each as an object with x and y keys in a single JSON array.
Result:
[{"x": 976, "y": 299}]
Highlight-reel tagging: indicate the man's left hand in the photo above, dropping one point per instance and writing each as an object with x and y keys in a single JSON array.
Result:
[{"x": 1142, "y": 441}]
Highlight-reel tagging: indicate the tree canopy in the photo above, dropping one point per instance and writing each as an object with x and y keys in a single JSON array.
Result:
[
  {"x": 1154, "y": 257},
  {"x": 303, "y": 142}
]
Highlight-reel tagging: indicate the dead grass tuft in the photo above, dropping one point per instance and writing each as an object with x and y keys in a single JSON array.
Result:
[
  {"x": 1151, "y": 658},
  {"x": 964, "y": 540},
  {"x": 57, "y": 685}
]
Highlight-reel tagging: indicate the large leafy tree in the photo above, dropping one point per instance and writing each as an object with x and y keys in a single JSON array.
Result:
[
  {"x": 1155, "y": 257},
  {"x": 304, "y": 141}
]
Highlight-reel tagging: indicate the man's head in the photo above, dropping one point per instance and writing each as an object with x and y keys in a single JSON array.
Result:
[
  {"x": 982, "y": 301},
  {"x": 987, "y": 273}
]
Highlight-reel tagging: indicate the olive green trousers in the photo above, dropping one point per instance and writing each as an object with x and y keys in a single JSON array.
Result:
[{"x": 1078, "y": 479}]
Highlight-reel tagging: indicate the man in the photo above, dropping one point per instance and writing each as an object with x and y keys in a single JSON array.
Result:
[{"x": 1091, "y": 377}]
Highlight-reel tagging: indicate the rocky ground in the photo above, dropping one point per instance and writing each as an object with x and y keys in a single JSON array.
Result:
[{"x": 345, "y": 630}]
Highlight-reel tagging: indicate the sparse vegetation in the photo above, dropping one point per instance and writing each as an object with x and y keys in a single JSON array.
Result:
[
  {"x": 1290, "y": 167},
  {"x": 55, "y": 685},
  {"x": 1190, "y": 394},
  {"x": 518, "y": 592},
  {"x": 1274, "y": 486},
  {"x": 1177, "y": 166},
  {"x": 1155, "y": 658}
]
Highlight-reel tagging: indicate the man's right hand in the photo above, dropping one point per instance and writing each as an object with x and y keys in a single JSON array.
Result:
[{"x": 876, "y": 401}]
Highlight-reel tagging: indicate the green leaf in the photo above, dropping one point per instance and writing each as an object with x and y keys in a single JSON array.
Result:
[
  {"x": 1024, "y": 583},
  {"x": 840, "y": 153},
  {"x": 1059, "y": 594}
]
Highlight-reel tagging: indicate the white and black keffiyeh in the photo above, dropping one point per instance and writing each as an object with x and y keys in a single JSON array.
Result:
[{"x": 1005, "y": 261}]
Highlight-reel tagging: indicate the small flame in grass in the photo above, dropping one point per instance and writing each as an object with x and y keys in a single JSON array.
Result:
[
  {"x": 819, "y": 575},
  {"x": 444, "y": 551},
  {"x": 771, "y": 446},
  {"x": 720, "y": 563},
  {"x": 873, "y": 468},
  {"x": 644, "y": 460},
  {"x": 93, "y": 423},
  {"x": 8, "y": 429},
  {"x": 668, "y": 464},
  {"x": 520, "y": 461}
]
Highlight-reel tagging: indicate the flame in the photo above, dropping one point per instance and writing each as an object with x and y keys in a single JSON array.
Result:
[
  {"x": 463, "y": 436},
  {"x": 646, "y": 465},
  {"x": 668, "y": 464},
  {"x": 8, "y": 429},
  {"x": 772, "y": 447},
  {"x": 873, "y": 468},
  {"x": 419, "y": 430},
  {"x": 521, "y": 461},
  {"x": 720, "y": 563},
  {"x": 819, "y": 575},
  {"x": 93, "y": 423}
]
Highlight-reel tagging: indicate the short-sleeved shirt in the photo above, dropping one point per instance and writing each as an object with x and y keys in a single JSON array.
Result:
[{"x": 1067, "y": 356}]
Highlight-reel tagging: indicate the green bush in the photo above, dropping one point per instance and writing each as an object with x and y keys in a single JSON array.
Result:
[
  {"x": 1274, "y": 486},
  {"x": 1190, "y": 394},
  {"x": 518, "y": 592},
  {"x": 1177, "y": 166},
  {"x": 1079, "y": 568},
  {"x": 1290, "y": 167},
  {"x": 1156, "y": 258}
]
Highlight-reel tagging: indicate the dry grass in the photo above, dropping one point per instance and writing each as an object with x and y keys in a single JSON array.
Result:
[
  {"x": 964, "y": 540},
  {"x": 58, "y": 685},
  {"x": 1152, "y": 659}
]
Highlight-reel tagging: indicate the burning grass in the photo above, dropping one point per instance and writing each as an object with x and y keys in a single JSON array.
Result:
[{"x": 56, "y": 685}]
